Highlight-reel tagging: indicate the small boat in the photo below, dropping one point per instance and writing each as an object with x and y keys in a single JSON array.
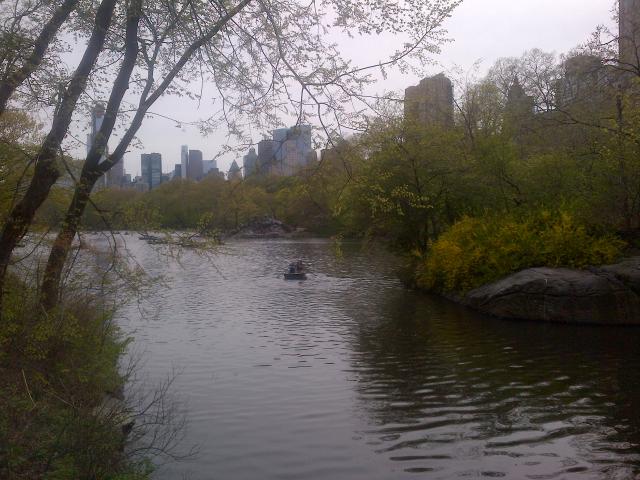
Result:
[
  {"x": 296, "y": 271},
  {"x": 295, "y": 276}
]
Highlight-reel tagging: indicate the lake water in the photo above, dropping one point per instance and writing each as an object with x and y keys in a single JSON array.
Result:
[{"x": 349, "y": 376}]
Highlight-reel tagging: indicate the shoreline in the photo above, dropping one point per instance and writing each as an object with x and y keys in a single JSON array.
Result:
[{"x": 606, "y": 295}]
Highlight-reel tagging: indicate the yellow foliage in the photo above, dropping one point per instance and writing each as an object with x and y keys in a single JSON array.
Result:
[{"x": 475, "y": 251}]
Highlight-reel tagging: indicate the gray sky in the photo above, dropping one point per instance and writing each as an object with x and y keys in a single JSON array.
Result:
[{"x": 482, "y": 30}]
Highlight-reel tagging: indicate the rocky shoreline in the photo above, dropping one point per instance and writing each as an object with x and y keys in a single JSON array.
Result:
[
  {"x": 606, "y": 295},
  {"x": 266, "y": 228}
]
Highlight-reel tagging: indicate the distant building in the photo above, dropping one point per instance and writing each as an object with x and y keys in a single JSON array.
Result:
[
  {"x": 519, "y": 107},
  {"x": 215, "y": 172},
  {"x": 195, "y": 169},
  {"x": 209, "y": 165},
  {"x": 184, "y": 160},
  {"x": 97, "y": 117},
  {"x": 234, "y": 172},
  {"x": 177, "y": 171},
  {"x": 430, "y": 102},
  {"x": 140, "y": 184},
  {"x": 151, "y": 169},
  {"x": 266, "y": 156},
  {"x": 115, "y": 176},
  {"x": 336, "y": 155},
  {"x": 311, "y": 158},
  {"x": 288, "y": 151},
  {"x": 629, "y": 34},
  {"x": 584, "y": 77},
  {"x": 250, "y": 163},
  {"x": 517, "y": 98}
]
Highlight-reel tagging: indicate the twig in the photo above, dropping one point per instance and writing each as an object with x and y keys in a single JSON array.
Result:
[{"x": 27, "y": 387}]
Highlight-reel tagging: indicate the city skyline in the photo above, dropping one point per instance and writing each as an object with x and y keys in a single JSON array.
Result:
[{"x": 529, "y": 23}]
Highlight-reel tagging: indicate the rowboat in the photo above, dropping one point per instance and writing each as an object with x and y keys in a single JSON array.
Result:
[
  {"x": 295, "y": 276},
  {"x": 296, "y": 271}
]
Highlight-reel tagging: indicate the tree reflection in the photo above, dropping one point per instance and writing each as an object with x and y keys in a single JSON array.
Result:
[{"x": 439, "y": 378}]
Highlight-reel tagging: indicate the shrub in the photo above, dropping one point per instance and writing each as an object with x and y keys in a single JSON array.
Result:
[
  {"x": 476, "y": 251},
  {"x": 56, "y": 370}
]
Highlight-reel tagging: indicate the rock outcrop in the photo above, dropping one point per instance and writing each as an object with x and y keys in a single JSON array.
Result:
[
  {"x": 265, "y": 227},
  {"x": 604, "y": 295}
]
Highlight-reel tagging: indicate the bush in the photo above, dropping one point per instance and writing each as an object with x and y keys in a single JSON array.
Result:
[
  {"x": 476, "y": 251},
  {"x": 56, "y": 370}
]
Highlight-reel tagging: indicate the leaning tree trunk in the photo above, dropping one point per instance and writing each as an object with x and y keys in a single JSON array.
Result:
[
  {"x": 46, "y": 171},
  {"x": 40, "y": 45},
  {"x": 91, "y": 170},
  {"x": 62, "y": 245}
]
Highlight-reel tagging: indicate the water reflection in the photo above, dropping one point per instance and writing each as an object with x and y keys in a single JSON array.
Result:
[
  {"x": 460, "y": 396},
  {"x": 348, "y": 376}
]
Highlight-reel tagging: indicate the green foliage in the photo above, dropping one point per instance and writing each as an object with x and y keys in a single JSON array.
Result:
[
  {"x": 213, "y": 204},
  {"x": 55, "y": 370},
  {"x": 475, "y": 251}
]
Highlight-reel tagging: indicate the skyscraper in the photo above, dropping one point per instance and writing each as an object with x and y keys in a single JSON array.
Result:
[
  {"x": 250, "y": 163},
  {"x": 97, "y": 117},
  {"x": 234, "y": 172},
  {"x": 584, "y": 76},
  {"x": 115, "y": 176},
  {"x": 629, "y": 34},
  {"x": 209, "y": 166},
  {"x": 184, "y": 160},
  {"x": 194, "y": 165},
  {"x": 430, "y": 102},
  {"x": 266, "y": 156},
  {"x": 151, "y": 169},
  {"x": 286, "y": 153}
]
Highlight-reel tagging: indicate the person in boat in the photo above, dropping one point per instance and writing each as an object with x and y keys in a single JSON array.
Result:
[
  {"x": 299, "y": 266},
  {"x": 292, "y": 268}
]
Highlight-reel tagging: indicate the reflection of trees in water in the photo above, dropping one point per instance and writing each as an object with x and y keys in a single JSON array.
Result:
[{"x": 427, "y": 362}]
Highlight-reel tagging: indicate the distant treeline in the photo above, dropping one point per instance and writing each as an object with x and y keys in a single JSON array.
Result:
[{"x": 538, "y": 137}]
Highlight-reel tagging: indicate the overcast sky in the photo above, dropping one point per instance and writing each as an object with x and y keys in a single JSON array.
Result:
[{"x": 481, "y": 30}]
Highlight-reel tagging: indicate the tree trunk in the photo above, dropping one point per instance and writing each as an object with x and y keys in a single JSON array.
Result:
[
  {"x": 15, "y": 79},
  {"x": 62, "y": 245},
  {"x": 46, "y": 170},
  {"x": 92, "y": 170}
]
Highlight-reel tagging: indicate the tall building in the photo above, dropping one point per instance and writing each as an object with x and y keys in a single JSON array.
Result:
[
  {"x": 250, "y": 163},
  {"x": 430, "y": 102},
  {"x": 209, "y": 166},
  {"x": 296, "y": 149},
  {"x": 115, "y": 176},
  {"x": 288, "y": 151},
  {"x": 195, "y": 169},
  {"x": 151, "y": 169},
  {"x": 266, "y": 156},
  {"x": 177, "y": 171},
  {"x": 234, "y": 172},
  {"x": 279, "y": 137},
  {"x": 584, "y": 76},
  {"x": 518, "y": 102},
  {"x": 629, "y": 33},
  {"x": 97, "y": 117},
  {"x": 184, "y": 160}
]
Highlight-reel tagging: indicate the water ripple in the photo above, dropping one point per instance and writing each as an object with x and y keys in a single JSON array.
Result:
[{"x": 348, "y": 376}]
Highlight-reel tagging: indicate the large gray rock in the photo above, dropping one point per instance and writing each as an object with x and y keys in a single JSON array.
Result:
[
  {"x": 627, "y": 271},
  {"x": 606, "y": 295},
  {"x": 264, "y": 227}
]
